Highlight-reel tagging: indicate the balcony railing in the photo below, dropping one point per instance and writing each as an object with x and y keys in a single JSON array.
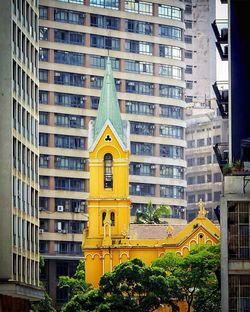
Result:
[
  {"x": 220, "y": 28},
  {"x": 221, "y": 92},
  {"x": 221, "y": 153}
]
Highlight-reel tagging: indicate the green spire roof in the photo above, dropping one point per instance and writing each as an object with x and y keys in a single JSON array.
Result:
[{"x": 108, "y": 109}]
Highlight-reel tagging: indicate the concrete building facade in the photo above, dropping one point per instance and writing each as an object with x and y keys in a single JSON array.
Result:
[
  {"x": 204, "y": 177},
  {"x": 145, "y": 41},
  {"x": 19, "y": 185}
]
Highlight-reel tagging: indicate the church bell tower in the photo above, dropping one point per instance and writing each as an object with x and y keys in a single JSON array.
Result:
[{"x": 108, "y": 203}]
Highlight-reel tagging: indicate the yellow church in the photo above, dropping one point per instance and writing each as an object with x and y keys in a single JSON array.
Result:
[{"x": 110, "y": 238}]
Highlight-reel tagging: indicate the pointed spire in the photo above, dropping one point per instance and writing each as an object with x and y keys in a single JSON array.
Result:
[{"x": 108, "y": 109}]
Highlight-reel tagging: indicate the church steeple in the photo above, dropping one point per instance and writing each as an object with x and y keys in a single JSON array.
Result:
[{"x": 108, "y": 110}]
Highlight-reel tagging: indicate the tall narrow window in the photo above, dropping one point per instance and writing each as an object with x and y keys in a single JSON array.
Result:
[
  {"x": 108, "y": 176},
  {"x": 112, "y": 218},
  {"x": 103, "y": 218}
]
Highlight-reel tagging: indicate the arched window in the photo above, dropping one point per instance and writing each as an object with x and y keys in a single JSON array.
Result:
[
  {"x": 103, "y": 218},
  {"x": 108, "y": 176},
  {"x": 112, "y": 218}
]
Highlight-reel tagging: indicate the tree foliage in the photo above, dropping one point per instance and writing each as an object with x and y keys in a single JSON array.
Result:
[
  {"x": 152, "y": 215},
  {"x": 76, "y": 284},
  {"x": 193, "y": 275}
]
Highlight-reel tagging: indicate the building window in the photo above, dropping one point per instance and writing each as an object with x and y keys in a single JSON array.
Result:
[
  {"x": 67, "y": 141},
  {"x": 188, "y": 24},
  {"x": 170, "y": 32},
  {"x": 138, "y": 27},
  {"x": 170, "y": 71},
  {"x": 172, "y": 191},
  {"x": 200, "y": 142},
  {"x": 142, "y": 169},
  {"x": 188, "y": 39},
  {"x": 43, "y": 75},
  {"x": 188, "y": 9},
  {"x": 142, "y": 128},
  {"x": 139, "y": 67},
  {"x": 191, "y": 198},
  {"x": 43, "y": 118},
  {"x": 200, "y": 161},
  {"x": 171, "y": 131},
  {"x": 171, "y": 111},
  {"x": 188, "y": 99},
  {"x": 69, "y": 184},
  {"x": 112, "y": 218},
  {"x": 209, "y": 196},
  {"x": 108, "y": 172},
  {"x": 43, "y": 203},
  {"x": 69, "y": 163},
  {"x": 43, "y": 161},
  {"x": 188, "y": 54},
  {"x": 70, "y": 79},
  {"x": 139, "y": 87},
  {"x": 103, "y": 217},
  {"x": 107, "y": 4},
  {"x": 71, "y": 100},
  {"x": 142, "y": 189},
  {"x": 189, "y": 69},
  {"x": 191, "y": 162},
  {"x": 239, "y": 285},
  {"x": 102, "y": 21},
  {"x": 43, "y": 12},
  {"x": 71, "y": 58},
  {"x": 43, "y": 55},
  {"x": 171, "y": 92},
  {"x": 173, "y": 172},
  {"x": 69, "y": 121},
  {"x": 189, "y": 84},
  {"x": 217, "y": 177},
  {"x": 170, "y": 52},
  {"x": 142, "y": 148},
  {"x": 65, "y": 16},
  {"x": 209, "y": 178},
  {"x": 43, "y": 33},
  {"x": 69, "y": 37},
  {"x": 103, "y": 42},
  {"x": 94, "y": 102},
  {"x": 191, "y": 180},
  {"x": 43, "y": 97},
  {"x": 98, "y": 61},
  {"x": 68, "y": 248},
  {"x": 139, "y": 108},
  {"x": 171, "y": 151},
  {"x": 43, "y": 139},
  {"x": 201, "y": 179},
  {"x": 140, "y": 7},
  {"x": 171, "y": 12},
  {"x": 217, "y": 196},
  {"x": 44, "y": 182},
  {"x": 216, "y": 139},
  {"x": 209, "y": 159},
  {"x": 238, "y": 230},
  {"x": 139, "y": 47}
]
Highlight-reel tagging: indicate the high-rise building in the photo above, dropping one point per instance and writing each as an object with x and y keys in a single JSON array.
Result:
[
  {"x": 145, "y": 41},
  {"x": 200, "y": 52},
  {"x": 204, "y": 177},
  {"x": 19, "y": 185},
  {"x": 233, "y": 43}
]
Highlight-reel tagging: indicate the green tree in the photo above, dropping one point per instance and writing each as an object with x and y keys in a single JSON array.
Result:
[
  {"x": 152, "y": 215},
  {"x": 131, "y": 286},
  {"x": 192, "y": 275},
  {"x": 76, "y": 284}
]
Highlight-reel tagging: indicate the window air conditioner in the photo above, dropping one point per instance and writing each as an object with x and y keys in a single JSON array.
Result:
[
  {"x": 41, "y": 231},
  {"x": 60, "y": 208}
]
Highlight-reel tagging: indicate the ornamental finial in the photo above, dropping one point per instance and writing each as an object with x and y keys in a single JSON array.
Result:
[{"x": 202, "y": 211}]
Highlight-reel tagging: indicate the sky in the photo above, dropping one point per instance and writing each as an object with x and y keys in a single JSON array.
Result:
[{"x": 222, "y": 67}]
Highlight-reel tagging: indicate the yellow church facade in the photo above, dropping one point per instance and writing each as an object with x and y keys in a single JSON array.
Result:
[{"x": 107, "y": 241}]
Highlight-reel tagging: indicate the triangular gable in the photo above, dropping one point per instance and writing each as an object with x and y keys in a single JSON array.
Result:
[{"x": 97, "y": 139}]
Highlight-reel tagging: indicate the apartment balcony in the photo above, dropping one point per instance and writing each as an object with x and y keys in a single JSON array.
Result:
[
  {"x": 220, "y": 28},
  {"x": 221, "y": 153},
  {"x": 221, "y": 92}
]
